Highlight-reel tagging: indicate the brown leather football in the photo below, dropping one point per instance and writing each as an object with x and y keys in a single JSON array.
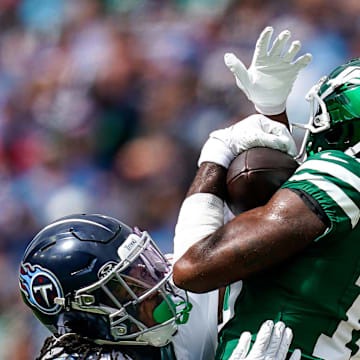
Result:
[{"x": 255, "y": 175}]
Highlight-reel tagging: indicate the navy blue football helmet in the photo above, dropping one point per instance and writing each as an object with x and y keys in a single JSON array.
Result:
[{"x": 90, "y": 274}]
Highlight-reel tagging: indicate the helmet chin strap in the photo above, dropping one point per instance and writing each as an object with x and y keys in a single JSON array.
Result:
[
  {"x": 159, "y": 337},
  {"x": 163, "y": 313},
  {"x": 353, "y": 150}
]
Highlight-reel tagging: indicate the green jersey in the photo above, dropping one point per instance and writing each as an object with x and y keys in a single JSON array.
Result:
[{"x": 316, "y": 293}]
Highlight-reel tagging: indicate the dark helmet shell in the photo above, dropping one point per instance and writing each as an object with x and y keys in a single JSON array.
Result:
[{"x": 65, "y": 256}]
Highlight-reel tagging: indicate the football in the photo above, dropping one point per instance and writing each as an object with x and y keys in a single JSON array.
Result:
[{"x": 255, "y": 175}]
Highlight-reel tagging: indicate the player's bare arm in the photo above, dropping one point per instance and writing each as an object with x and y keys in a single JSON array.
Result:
[
  {"x": 281, "y": 118},
  {"x": 80, "y": 332},
  {"x": 319, "y": 283},
  {"x": 267, "y": 84},
  {"x": 251, "y": 242}
]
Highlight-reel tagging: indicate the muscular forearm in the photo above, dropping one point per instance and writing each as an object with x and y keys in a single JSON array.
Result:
[
  {"x": 210, "y": 178},
  {"x": 252, "y": 242},
  {"x": 281, "y": 118},
  {"x": 202, "y": 212}
]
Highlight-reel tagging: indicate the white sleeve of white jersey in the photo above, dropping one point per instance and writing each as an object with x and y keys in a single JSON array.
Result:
[
  {"x": 233, "y": 292},
  {"x": 228, "y": 214},
  {"x": 200, "y": 215},
  {"x": 197, "y": 339}
]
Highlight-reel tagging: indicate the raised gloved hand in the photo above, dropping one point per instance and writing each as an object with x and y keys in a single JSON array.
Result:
[
  {"x": 254, "y": 131},
  {"x": 272, "y": 343},
  {"x": 272, "y": 73}
]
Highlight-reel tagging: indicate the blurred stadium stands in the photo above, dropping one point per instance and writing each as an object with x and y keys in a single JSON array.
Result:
[{"x": 104, "y": 106}]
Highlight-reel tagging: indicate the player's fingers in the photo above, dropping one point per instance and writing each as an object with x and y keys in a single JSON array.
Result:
[
  {"x": 275, "y": 340},
  {"x": 293, "y": 50},
  {"x": 285, "y": 344},
  {"x": 279, "y": 43},
  {"x": 286, "y": 143},
  {"x": 296, "y": 355},
  {"x": 262, "y": 43},
  {"x": 302, "y": 61},
  {"x": 262, "y": 339},
  {"x": 242, "y": 347},
  {"x": 237, "y": 68},
  {"x": 280, "y": 141}
]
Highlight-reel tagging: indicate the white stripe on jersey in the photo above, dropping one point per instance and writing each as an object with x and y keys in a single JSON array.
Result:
[
  {"x": 335, "y": 170},
  {"x": 336, "y": 193}
]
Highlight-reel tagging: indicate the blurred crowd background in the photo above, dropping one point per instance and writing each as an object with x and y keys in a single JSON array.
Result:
[{"x": 104, "y": 106}]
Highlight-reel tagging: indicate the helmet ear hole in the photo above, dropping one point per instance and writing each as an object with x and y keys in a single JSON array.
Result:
[
  {"x": 333, "y": 135},
  {"x": 340, "y": 134},
  {"x": 350, "y": 134}
]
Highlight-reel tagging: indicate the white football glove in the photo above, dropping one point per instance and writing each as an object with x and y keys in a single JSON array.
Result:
[
  {"x": 271, "y": 75},
  {"x": 254, "y": 131},
  {"x": 272, "y": 343}
]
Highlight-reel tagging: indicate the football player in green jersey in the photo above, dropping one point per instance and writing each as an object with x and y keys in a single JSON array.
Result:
[{"x": 299, "y": 255}]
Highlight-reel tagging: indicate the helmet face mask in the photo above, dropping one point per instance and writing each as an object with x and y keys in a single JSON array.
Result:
[
  {"x": 105, "y": 297},
  {"x": 141, "y": 272},
  {"x": 334, "y": 111}
]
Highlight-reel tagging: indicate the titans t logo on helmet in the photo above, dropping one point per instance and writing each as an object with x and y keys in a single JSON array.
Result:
[{"x": 41, "y": 287}]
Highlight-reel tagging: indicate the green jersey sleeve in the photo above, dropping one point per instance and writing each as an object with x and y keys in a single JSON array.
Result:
[
  {"x": 332, "y": 178},
  {"x": 317, "y": 292}
]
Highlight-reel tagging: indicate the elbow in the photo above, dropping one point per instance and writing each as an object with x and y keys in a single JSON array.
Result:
[
  {"x": 183, "y": 274},
  {"x": 187, "y": 276}
]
